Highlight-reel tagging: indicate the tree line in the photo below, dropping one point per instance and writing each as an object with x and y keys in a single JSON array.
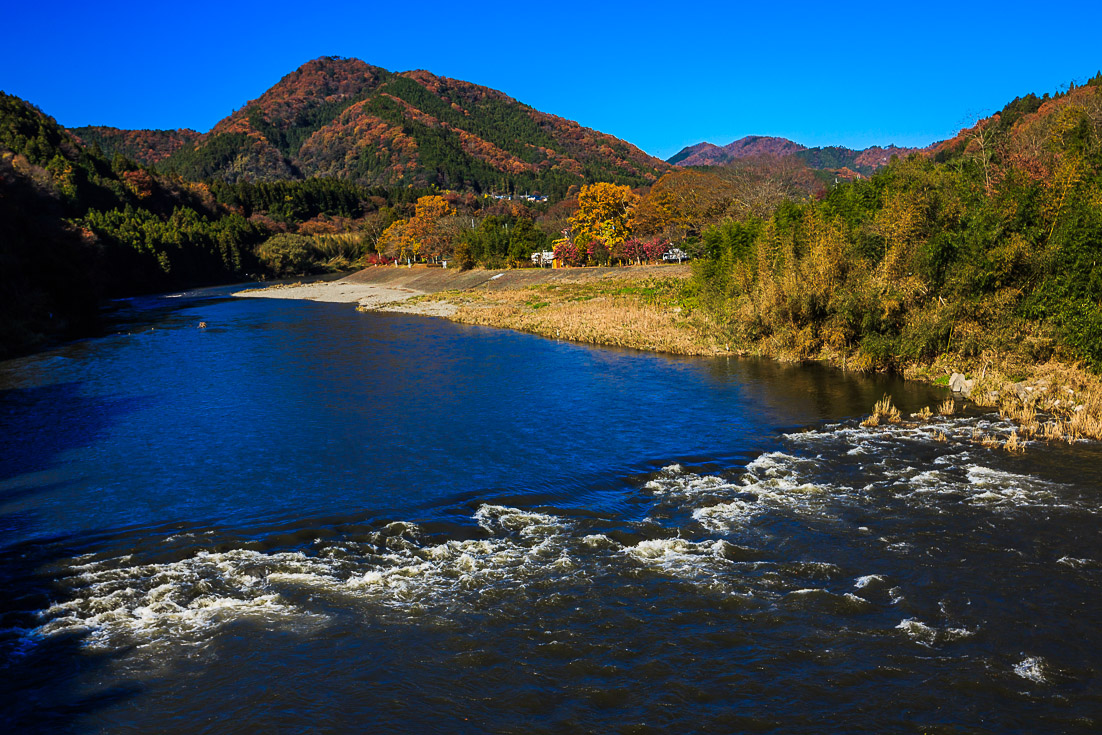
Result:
[{"x": 989, "y": 243}]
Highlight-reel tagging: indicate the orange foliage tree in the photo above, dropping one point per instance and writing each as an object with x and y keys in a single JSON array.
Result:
[
  {"x": 682, "y": 203},
  {"x": 430, "y": 226},
  {"x": 397, "y": 242}
]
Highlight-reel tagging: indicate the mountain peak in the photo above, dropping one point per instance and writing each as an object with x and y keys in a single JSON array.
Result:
[{"x": 709, "y": 154}]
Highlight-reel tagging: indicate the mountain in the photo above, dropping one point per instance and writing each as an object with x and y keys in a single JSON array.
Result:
[
  {"x": 707, "y": 154},
  {"x": 699, "y": 152},
  {"x": 864, "y": 161},
  {"x": 343, "y": 118},
  {"x": 831, "y": 157}
]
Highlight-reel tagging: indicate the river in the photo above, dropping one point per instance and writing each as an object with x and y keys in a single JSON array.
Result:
[{"x": 304, "y": 518}]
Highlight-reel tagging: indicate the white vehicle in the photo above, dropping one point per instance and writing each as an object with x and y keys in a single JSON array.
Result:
[
  {"x": 543, "y": 258},
  {"x": 675, "y": 254}
]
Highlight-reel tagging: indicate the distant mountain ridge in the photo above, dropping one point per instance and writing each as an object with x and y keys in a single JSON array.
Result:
[
  {"x": 148, "y": 147},
  {"x": 864, "y": 161},
  {"x": 707, "y": 154},
  {"x": 347, "y": 119}
]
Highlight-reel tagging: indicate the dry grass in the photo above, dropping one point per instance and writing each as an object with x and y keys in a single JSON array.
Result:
[
  {"x": 990, "y": 441},
  {"x": 1050, "y": 401},
  {"x": 948, "y": 407},
  {"x": 617, "y": 313},
  {"x": 925, "y": 414},
  {"x": 883, "y": 412},
  {"x": 1054, "y": 430}
]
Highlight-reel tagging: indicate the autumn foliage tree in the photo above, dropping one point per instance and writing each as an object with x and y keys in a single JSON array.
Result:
[
  {"x": 682, "y": 203},
  {"x": 605, "y": 213},
  {"x": 397, "y": 242},
  {"x": 567, "y": 253},
  {"x": 430, "y": 228},
  {"x": 430, "y": 233}
]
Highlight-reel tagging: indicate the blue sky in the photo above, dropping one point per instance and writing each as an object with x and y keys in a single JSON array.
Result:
[{"x": 660, "y": 75}]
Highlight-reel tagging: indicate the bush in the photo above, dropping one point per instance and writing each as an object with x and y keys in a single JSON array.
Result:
[{"x": 288, "y": 255}]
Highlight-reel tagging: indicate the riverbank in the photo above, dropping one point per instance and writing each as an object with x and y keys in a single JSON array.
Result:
[
  {"x": 563, "y": 302},
  {"x": 640, "y": 307}
]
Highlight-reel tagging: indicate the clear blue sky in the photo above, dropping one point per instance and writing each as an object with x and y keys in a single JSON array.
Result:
[{"x": 660, "y": 75}]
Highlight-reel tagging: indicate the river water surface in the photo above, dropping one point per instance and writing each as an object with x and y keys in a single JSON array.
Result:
[{"x": 304, "y": 518}]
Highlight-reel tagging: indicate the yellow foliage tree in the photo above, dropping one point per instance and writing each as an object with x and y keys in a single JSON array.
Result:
[
  {"x": 605, "y": 213},
  {"x": 397, "y": 241},
  {"x": 900, "y": 224},
  {"x": 431, "y": 208}
]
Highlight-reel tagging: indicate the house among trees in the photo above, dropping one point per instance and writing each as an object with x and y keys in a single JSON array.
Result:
[{"x": 543, "y": 258}]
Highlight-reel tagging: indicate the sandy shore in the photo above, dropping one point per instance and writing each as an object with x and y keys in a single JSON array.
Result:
[
  {"x": 368, "y": 296},
  {"x": 391, "y": 289}
]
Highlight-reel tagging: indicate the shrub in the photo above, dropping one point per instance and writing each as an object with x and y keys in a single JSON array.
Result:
[{"x": 288, "y": 255}]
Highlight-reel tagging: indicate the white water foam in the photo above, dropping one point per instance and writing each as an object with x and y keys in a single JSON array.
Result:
[
  {"x": 703, "y": 563},
  {"x": 883, "y": 458},
  {"x": 113, "y": 602},
  {"x": 961, "y": 470},
  {"x": 1031, "y": 668},
  {"x": 999, "y": 488},
  {"x": 675, "y": 482},
  {"x": 1075, "y": 563},
  {"x": 163, "y": 601},
  {"x": 863, "y": 582},
  {"x": 774, "y": 480},
  {"x": 927, "y": 635}
]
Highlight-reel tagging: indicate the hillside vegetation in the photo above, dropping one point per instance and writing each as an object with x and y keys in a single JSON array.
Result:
[
  {"x": 144, "y": 146},
  {"x": 990, "y": 245},
  {"x": 78, "y": 228}
]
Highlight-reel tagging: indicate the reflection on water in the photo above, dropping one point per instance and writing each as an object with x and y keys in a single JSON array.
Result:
[{"x": 308, "y": 518}]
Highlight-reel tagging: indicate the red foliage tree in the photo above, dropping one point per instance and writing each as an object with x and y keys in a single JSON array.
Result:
[{"x": 567, "y": 253}]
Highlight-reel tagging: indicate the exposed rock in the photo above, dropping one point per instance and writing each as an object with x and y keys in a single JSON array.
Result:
[{"x": 959, "y": 384}]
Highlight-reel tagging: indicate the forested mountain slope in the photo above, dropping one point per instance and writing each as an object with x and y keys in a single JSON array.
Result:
[
  {"x": 143, "y": 146},
  {"x": 346, "y": 119},
  {"x": 76, "y": 227}
]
